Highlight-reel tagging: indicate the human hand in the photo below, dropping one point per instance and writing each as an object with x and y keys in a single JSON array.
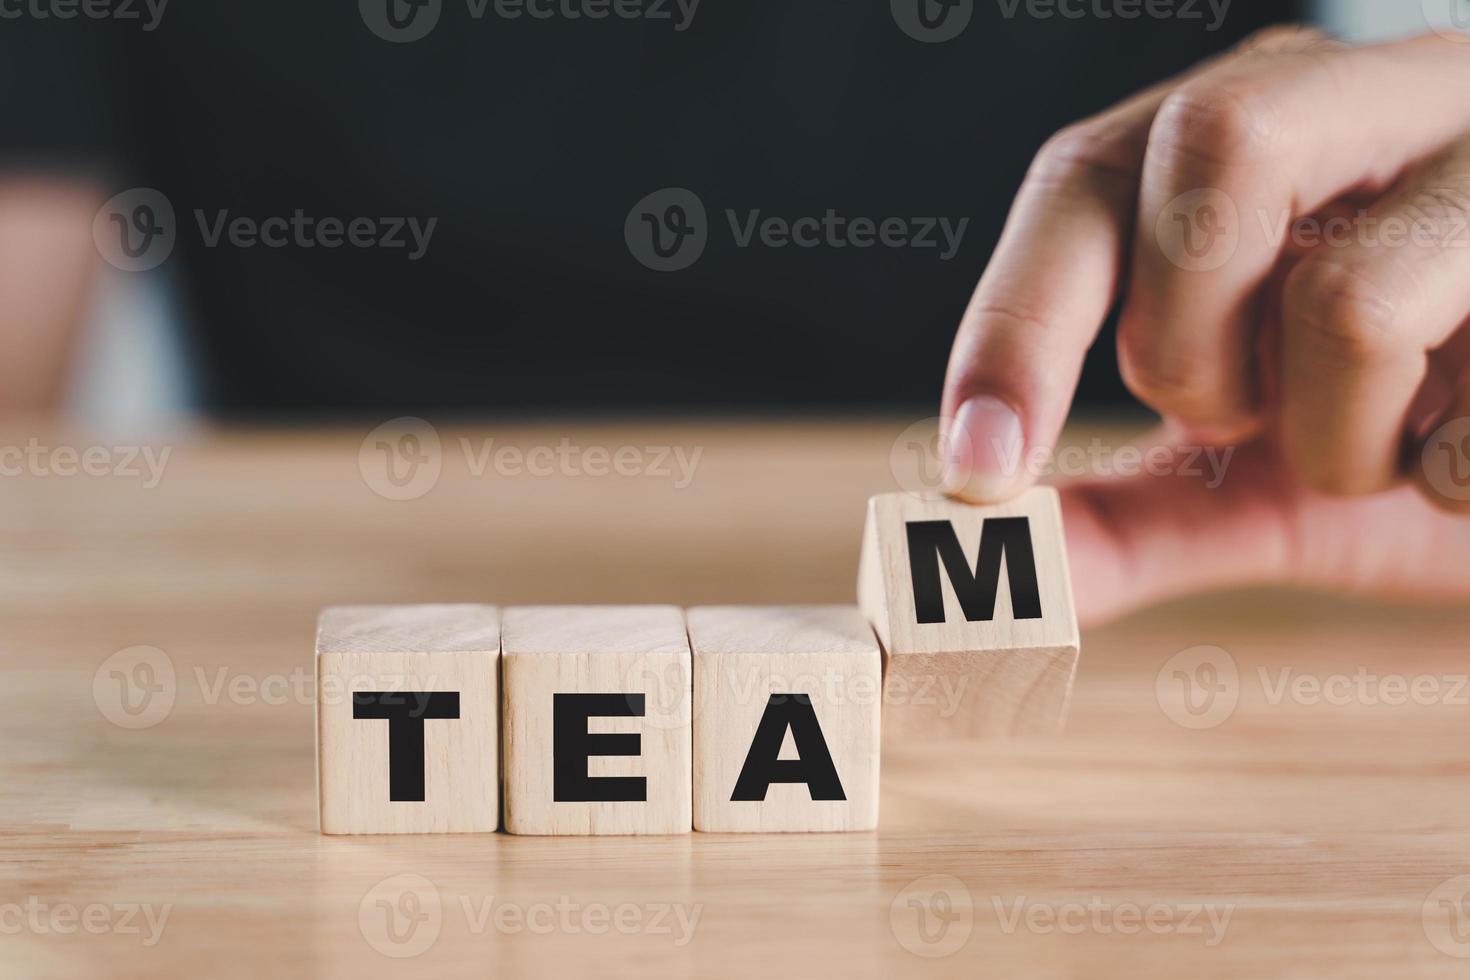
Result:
[{"x": 1286, "y": 231}]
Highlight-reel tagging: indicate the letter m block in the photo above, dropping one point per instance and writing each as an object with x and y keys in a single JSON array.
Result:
[{"x": 973, "y": 607}]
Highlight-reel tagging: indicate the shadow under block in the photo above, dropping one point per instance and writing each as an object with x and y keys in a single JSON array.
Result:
[
  {"x": 408, "y": 726},
  {"x": 786, "y": 719},
  {"x": 973, "y": 606},
  {"x": 597, "y": 720}
]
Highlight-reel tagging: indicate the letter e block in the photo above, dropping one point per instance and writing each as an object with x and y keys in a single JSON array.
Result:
[
  {"x": 786, "y": 719},
  {"x": 408, "y": 719},
  {"x": 597, "y": 720},
  {"x": 973, "y": 606}
]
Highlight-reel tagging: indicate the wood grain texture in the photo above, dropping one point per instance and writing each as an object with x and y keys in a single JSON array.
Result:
[
  {"x": 963, "y": 678},
  {"x": 743, "y": 655},
  {"x": 621, "y": 650},
  {"x": 1326, "y": 827},
  {"x": 404, "y": 649}
]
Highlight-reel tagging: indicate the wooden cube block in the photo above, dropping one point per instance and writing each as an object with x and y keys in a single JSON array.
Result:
[
  {"x": 597, "y": 730},
  {"x": 786, "y": 719},
  {"x": 973, "y": 606},
  {"x": 408, "y": 720}
]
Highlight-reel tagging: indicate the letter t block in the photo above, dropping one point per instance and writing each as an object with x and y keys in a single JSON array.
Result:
[
  {"x": 973, "y": 607},
  {"x": 408, "y": 719}
]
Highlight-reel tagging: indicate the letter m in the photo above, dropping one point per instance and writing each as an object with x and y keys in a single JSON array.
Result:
[{"x": 1001, "y": 538}]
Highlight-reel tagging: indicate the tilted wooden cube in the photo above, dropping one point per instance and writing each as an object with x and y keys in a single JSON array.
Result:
[
  {"x": 973, "y": 606},
  {"x": 597, "y": 720},
  {"x": 408, "y": 719},
  {"x": 786, "y": 719}
]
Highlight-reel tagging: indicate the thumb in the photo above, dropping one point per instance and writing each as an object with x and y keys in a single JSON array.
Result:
[{"x": 1218, "y": 519}]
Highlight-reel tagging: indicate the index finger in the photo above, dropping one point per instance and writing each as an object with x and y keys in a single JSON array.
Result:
[{"x": 1048, "y": 288}]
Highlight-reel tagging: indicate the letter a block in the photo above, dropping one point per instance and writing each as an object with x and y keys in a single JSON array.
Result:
[
  {"x": 408, "y": 719},
  {"x": 786, "y": 719},
  {"x": 973, "y": 606},
  {"x": 597, "y": 720}
]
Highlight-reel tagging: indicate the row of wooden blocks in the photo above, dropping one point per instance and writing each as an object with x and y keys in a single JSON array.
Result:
[{"x": 581, "y": 720}]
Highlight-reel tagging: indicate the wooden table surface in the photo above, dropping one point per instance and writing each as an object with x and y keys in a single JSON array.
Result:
[{"x": 1317, "y": 829}]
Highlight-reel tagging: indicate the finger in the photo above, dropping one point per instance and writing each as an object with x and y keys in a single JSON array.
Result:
[
  {"x": 1137, "y": 541},
  {"x": 1049, "y": 286},
  {"x": 1360, "y": 315},
  {"x": 1232, "y": 157}
]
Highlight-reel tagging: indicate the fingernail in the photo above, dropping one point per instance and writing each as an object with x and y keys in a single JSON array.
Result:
[{"x": 983, "y": 451}]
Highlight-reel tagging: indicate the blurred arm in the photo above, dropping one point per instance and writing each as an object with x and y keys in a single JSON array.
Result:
[{"x": 48, "y": 266}]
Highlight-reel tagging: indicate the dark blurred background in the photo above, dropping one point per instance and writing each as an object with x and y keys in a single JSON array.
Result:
[{"x": 494, "y": 182}]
